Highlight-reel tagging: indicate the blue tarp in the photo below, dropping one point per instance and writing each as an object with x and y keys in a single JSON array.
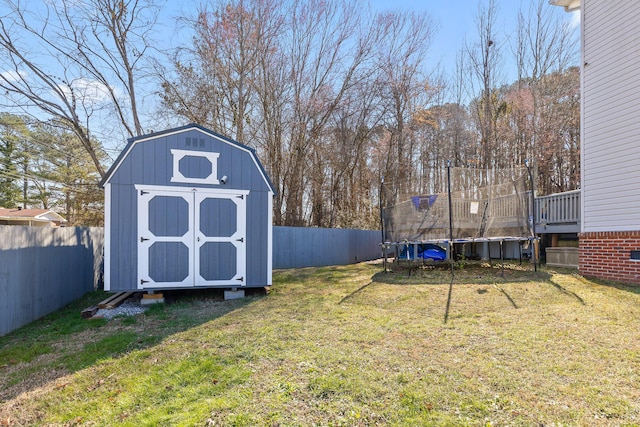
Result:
[
  {"x": 424, "y": 202},
  {"x": 425, "y": 251}
]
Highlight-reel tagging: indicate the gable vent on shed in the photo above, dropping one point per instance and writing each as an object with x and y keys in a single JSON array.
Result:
[{"x": 194, "y": 142}]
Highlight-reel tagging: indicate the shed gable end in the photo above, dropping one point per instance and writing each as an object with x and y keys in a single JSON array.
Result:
[{"x": 188, "y": 157}]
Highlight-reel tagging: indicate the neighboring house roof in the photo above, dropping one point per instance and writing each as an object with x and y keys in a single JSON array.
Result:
[
  {"x": 41, "y": 216},
  {"x": 569, "y": 5}
]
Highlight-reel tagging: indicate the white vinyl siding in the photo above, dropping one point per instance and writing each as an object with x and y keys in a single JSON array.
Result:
[{"x": 611, "y": 116}]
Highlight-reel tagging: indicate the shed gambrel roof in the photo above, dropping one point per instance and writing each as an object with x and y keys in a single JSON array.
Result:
[{"x": 138, "y": 139}]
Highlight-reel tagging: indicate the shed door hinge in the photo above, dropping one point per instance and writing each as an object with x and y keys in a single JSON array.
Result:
[
  {"x": 142, "y": 281},
  {"x": 240, "y": 240},
  {"x": 143, "y": 239},
  {"x": 142, "y": 192},
  {"x": 240, "y": 196}
]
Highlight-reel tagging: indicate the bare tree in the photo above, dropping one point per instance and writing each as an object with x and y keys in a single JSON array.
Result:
[
  {"x": 404, "y": 88},
  {"x": 545, "y": 45},
  {"x": 328, "y": 45},
  {"x": 75, "y": 61},
  {"x": 334, "y": 99},
  {"x": 558, "y": 134},
  {"x": 272, "y": 121},
  {"x": 343, "y": 181},
  {"x": 230, "y": 41},
  {"x": 484, "y": 62},
  {"x": 272, "y": 73},
  {"x": 236, "y": 79}
]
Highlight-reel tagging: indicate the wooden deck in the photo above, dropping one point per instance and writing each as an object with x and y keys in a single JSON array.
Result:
[{"x": 558, "y": 213}]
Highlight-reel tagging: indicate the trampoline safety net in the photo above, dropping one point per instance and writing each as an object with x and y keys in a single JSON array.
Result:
[{"x": 485, "y": 204}]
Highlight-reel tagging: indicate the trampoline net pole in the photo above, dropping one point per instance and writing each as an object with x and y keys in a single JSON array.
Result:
[
  {"x": 534, "y": 242},
  {"x": 451, "y": 248}
]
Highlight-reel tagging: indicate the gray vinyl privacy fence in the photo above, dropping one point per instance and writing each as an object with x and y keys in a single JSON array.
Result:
[
  {"x": 42, "y": 269},
  {"x": 295, "y": 247}
]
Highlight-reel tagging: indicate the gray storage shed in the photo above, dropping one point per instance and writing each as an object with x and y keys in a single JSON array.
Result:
[{"x": 187, "y": 208}]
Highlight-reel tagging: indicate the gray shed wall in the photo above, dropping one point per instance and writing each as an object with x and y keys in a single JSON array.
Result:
[
  {"x": 149, "y": 162},
  {"x": 42, "y": 269},
  {"x": 295, "y": 247}
]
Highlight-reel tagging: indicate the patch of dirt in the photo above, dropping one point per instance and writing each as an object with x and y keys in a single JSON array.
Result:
[
  {"x": 16, "y": 409},
  {"x": 30, "y": 382},
  {"x": 68, "y": 345}
]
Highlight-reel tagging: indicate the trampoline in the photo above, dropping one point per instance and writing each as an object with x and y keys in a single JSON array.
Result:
[{"x": 471, "y": 213}]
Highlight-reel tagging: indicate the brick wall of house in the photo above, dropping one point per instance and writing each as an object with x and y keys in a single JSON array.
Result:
[{"x": 607, "y": 255}]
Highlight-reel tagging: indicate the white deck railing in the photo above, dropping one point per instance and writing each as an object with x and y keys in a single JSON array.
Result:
[{"x": 559, "y": 208}]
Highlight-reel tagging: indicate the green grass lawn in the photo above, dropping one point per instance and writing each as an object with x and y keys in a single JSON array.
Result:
[{"x": 342, "y": 346}]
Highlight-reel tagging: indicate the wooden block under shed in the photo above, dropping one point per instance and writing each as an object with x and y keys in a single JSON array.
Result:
[
  {"x": 104, "y": 302},
  {"x": 89, "y": 312},
  {"x": 115, "y": 300},
  {"x": 148, "y": 299}
]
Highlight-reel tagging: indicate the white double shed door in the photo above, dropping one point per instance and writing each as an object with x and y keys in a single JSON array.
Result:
[{"x": 189, "y": 237}]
